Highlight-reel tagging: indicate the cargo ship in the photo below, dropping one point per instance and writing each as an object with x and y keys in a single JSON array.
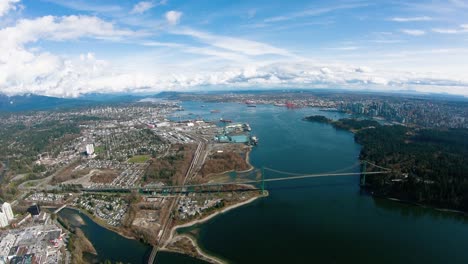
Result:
[{"x": 250, "y": 103}]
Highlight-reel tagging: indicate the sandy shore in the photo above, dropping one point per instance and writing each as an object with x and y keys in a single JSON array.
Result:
[
  {"x": 224, "y": 210},
  {"x": 200, "y": 252},
  {"x": 203, "y": 220},
  {"x": 101, "y": 223}
]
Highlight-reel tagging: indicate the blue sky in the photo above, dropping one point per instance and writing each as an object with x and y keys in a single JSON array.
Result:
[{"x": 69, "y": 48}]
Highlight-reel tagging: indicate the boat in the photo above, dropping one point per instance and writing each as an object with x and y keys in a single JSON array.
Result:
[
  {"x": 250, "y": 103},
  {"x": 253, "y": 140},
  {"x": 225, "y": 120},
  {"x": 246, "y": 127},
  {"x": 291, "y": 105},
  {"x": 214, "y": 111}
]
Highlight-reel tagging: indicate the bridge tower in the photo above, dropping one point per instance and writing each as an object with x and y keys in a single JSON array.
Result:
[
  {"x": 263, "y": 180},
  {"x": 363, "y": 176}
]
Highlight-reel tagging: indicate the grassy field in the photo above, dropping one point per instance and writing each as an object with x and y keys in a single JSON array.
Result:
[
  {"x": 139, "y": 159},
  {"x": 99, "y": 149}
]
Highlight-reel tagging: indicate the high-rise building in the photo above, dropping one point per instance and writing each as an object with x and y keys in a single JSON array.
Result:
[
  {"x": 90, "y": 149},
  {"x": 6, "y": 209},
  {"x": 3, "y": 220}
]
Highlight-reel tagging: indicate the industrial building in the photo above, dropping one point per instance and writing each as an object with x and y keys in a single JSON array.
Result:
[{"x": 35, "y": 244}]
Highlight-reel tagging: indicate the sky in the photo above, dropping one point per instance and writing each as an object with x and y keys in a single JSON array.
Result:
[{"x": 67, "y": 48}]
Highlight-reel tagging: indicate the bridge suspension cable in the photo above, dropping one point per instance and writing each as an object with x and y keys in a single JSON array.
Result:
[
  {"x": 375, "y": 165},
  {"x": 300, "y": 174},
  {"x": 292, "y": 176}
]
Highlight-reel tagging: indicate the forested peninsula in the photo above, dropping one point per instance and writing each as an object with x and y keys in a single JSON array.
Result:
[{"x": 429, "y": 166}]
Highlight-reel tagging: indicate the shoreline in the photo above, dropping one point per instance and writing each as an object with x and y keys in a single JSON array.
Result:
[
  {"x": 174, "y": 235},
  {"x": 98, "y": 222},
  {"x": 369, "y": 189},
  {"x": 206, "y": 256},
  {"x": 445, "y": 210}
]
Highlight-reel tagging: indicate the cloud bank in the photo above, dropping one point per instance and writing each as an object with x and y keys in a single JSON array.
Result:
[
  {"x": 7, "y": 5},
  {"x": 195, "y": 59}
]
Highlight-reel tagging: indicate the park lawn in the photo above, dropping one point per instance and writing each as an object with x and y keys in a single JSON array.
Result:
[
  {"x": 99, "y": 149},
  {"x": 139, "y": 159}
]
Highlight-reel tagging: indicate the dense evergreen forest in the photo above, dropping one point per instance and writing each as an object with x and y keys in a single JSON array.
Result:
[
  {"x": 429, "y": 166},
  {"x": 26, "y": 142}
]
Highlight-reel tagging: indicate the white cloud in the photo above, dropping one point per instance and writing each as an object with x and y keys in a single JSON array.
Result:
[
  {"x": 90, "y": 6},
  {"x": 214, "y": 61},
  {"x": 243, "y": 46},
  {"x": 173, "y": 17},
  {"x": 313, "y": 12},
  {"x": 59, "y": 29},
  {"x": 142, "y": 7},
  {"x": 345, "y": 48},
  {"x": 461, "y": 29},
  {"x": 163, "y": 44},
  {"x": 446, "y": 30},
  {"x": 49, "y": 75},
  {"x": 31, "y": 70},
  {"x": 7, "y": 5},
  {"x": 411, "y": 19},
  {"x": 413, "y": 32}
]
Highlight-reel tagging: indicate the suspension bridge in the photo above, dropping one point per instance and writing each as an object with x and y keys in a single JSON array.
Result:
[{"x": 245, "y": 184}]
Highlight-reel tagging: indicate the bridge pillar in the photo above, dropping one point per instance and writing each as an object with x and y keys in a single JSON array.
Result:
[
  {"x": 363, "y": 176},
  {"x": 263, "y": 180}
]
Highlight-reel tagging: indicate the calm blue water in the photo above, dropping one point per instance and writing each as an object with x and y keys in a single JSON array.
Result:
[
  {"x": 109, "y": 245},
  {"x": 322, "y": 220}
]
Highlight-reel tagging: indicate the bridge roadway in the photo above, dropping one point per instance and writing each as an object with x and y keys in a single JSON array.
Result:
[
  {"x": 196, "y": 162},
  {"x": 186, "y": 188},
  {"x": 60, "y": 209}
]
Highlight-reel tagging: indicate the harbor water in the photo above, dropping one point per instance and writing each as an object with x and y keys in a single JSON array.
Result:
[{"x": 317, "y": 220}]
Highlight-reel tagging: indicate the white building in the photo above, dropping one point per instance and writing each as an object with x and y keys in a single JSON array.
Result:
[
  {"x": 3, "y": 220},
  {"x": 90, "y": 149},
  {"x": 6, "y": 209},
  {"x": 6, "y": 244}
]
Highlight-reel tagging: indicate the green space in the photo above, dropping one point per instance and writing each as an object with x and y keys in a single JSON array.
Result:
[
  {"x": 428, "y": 165},
  {"x": 139, "y": 159},
  {"x": 99, "y": 149}
]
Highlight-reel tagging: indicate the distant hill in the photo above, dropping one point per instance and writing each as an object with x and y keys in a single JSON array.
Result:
[
  {"x": 30, "y": 102},
  {"x": 36, "y": 102},
  {"x": 110, "y": 98},
  {"x": 168, "y": 95}
]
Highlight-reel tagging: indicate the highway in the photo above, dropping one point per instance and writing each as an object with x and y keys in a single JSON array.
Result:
[{"x": 196, "y": 163}]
